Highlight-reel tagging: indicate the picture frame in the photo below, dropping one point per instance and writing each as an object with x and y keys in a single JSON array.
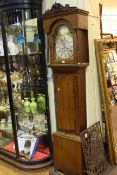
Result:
[{"x": 27, "y": 146}]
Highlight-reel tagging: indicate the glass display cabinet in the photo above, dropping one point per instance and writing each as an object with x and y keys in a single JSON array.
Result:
[{"x": 25, "y": 138}]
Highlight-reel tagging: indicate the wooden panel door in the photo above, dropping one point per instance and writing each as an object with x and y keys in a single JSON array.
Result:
[
  {"x": 70, "y": 99},
  {"x": 65, "y": 91}
]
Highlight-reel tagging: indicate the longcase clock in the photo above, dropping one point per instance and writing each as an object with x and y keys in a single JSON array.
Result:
[{"x": 67, "y": 37}]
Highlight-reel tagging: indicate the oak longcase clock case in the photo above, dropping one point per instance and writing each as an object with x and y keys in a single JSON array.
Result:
[
  {"x": 67, "y": 44},
  {"x": 25, "y": 138}
]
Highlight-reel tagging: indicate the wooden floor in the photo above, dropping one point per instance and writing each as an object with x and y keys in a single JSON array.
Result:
[
  {"x": 111, "y": 170},
  {"x": 7, "y": 169}
]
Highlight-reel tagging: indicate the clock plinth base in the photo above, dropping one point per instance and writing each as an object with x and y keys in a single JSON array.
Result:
[{"x": 68, "y": 156}]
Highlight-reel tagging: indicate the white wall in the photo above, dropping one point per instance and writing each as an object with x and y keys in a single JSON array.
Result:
[
  {"x": 51, "y": 100},
  {"x": 92, "y": 87},
  {"x": 47, "y": 4},
  {"x": 92, "y": 7},
  {"x": 109, "y": 3}
]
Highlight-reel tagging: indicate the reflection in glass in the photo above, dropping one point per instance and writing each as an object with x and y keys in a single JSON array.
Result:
[{"x": 110, "y": 64}]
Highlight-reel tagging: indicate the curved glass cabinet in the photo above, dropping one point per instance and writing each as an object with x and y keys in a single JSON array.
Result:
[{"x": 25, "y": 138}]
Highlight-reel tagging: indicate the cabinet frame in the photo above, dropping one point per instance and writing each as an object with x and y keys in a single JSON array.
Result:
[{"x": 5, "y": 155}]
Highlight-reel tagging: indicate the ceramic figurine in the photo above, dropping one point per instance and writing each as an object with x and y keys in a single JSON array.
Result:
[
  {"x": 20, "y": 38},
  {"x": 36, "y": 42},
  {"x": 36, "y": 39},
  {"x": 13, "y": 48}
]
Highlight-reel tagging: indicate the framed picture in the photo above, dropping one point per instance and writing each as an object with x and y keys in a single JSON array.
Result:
[{"x": 27, "y": 146}]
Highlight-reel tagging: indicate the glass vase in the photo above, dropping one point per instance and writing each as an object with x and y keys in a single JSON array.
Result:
[
  {"x": 41, "y": 102},
  {"x": 26, "y": 105},
  {"x": 33, "y": 106}
]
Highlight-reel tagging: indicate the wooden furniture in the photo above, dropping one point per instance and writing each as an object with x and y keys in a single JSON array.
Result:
[{"x": 67, "y": 36}]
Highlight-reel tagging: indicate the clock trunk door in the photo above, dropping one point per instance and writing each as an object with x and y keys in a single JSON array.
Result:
[{"x": 65, "y": 90}]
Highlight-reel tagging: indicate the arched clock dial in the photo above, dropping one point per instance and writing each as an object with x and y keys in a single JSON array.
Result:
[{"x": 63, "y": 43}]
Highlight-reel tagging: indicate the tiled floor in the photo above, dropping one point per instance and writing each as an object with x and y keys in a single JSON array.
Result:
[{"x": 7, "y": 169}]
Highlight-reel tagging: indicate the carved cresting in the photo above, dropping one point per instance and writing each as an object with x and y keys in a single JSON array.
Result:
[{"x": 57, "y": 8}]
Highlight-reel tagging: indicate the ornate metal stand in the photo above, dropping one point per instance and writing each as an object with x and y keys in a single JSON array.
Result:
[{"x": 93, "y": 150}]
